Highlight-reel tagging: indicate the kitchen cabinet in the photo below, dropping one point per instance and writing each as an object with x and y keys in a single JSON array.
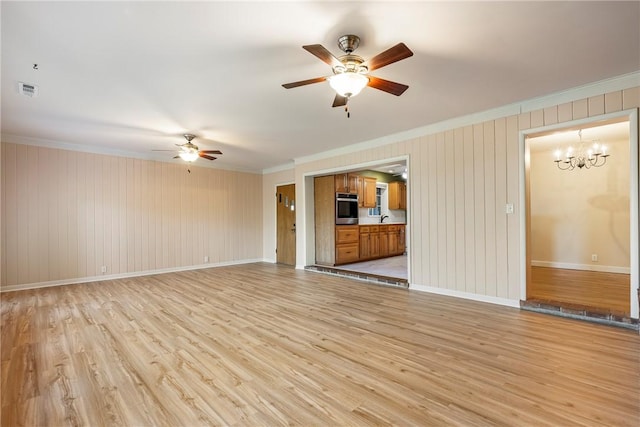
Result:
[
  {"x": 347, "y": 183},
  {"x": 397, "y": 195},
  {"x": 396, "y": 239},
  {"x": 325, "y": 220},
  {"x": 347, "y": 244},
  {"x": 367, "y": 195},
  {"x": 393, "y": 239},
  {"x": 369, "y": 242},
  {"x": 383, "y": 240}
]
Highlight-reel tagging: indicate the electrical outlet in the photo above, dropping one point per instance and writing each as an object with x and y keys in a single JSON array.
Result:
[
  {"x": 594, "y": 257},
  {"x": 206, "y": 259},
  {"x": 508, "y": 208},
  {"x": 103, "y": 269}
]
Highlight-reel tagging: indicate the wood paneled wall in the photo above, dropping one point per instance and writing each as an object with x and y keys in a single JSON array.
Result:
[
  {"x": 460, "y": 180},
  {"x": 66, "y": 214}
]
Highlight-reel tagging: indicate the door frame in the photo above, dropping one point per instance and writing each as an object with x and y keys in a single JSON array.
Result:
[
  {"x": 634, "y": 248},
  {"x": 275, "y": 221},
  {"x": 306, "y": 240}
]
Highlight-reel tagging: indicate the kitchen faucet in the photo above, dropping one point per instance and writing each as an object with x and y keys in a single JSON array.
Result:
[{"x": 383, "y": 217}]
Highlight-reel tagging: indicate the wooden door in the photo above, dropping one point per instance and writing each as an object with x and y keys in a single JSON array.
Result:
[{"x": 286, "y": 220}]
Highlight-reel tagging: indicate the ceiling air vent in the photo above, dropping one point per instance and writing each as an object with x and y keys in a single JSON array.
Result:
[{"x": 27, "y": 89}]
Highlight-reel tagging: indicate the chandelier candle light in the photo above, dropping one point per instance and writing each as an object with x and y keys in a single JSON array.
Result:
[{"x": 595, "y": 156}]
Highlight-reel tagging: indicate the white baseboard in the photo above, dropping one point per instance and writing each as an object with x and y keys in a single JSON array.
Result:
[
  {"x": 102, "y": 277},
  {"x": 588, "y": 267},
  {"x": 466, "y": 295}
]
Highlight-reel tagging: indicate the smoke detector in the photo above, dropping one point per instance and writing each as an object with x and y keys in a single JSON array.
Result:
[{"x": 28, "y": 89}]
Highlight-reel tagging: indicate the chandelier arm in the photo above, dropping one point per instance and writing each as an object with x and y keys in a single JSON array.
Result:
[{"x": 569, "y": 165}]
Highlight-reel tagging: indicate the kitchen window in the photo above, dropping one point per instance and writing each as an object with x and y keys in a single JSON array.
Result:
[{"x": 377, "y": 211}]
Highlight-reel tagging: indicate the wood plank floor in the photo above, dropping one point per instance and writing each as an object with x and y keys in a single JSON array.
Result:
[
  {"x": 606, "y": 292},
  {"x": 264, "y": 344}
]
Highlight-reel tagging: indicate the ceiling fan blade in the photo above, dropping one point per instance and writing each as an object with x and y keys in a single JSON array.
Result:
[
  {"x": 211, "y": 151},
  {"x": 205, "y": 156},
  {"x": 303, "y": 82},
  {"x": 322, "y": 53},
  {"x": 389, "y": 56},
  {"x": 176, "y": 157},
  {"x": 339, "y": 101},
  {"x": 388, "y": 86}
]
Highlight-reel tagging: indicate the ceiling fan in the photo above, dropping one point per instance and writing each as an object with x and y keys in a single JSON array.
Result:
[
  {"x": 351, "y": 72},
  {"x": 189, "y": 152}
]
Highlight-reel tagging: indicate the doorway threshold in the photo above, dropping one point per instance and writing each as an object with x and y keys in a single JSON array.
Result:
[
  {"x": 581, "y": 312},
  {"x": 367, "y": 277}
]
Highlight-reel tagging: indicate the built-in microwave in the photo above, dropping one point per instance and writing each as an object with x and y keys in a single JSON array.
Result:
[{"x": 346, "y": 208}]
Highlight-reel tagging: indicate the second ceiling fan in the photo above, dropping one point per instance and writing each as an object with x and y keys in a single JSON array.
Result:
[{"x": 351, "y": 72}]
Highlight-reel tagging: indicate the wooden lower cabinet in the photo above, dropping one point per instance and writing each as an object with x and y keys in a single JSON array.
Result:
[
  {"x": 346, "y": 253},
  {"x": 364, "y": 242},
  {"x": 383, "y": 237},
  {"x": 379, "y": 241},
  {"x": 369, "y": 242},
  {"x": 347, "y": 244},
  {"x": 393, "y": 239},
  {"x": 396, "y": 233}
]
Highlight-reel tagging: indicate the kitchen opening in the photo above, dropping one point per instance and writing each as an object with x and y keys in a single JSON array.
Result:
[{"x": 361, "y": 221}]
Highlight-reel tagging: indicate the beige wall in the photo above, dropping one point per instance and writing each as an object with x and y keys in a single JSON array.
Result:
[
  {"x": 575, "y": 214},
  {"x": 66, "y": 214},
  {"x": 460, "y": 179}
]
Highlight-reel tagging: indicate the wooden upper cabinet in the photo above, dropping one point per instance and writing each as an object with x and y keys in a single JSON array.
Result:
[
  {"x": 347, "y": 183},
  {"x": 368, "y": 196},
  {"x": 397, "y": 195}
]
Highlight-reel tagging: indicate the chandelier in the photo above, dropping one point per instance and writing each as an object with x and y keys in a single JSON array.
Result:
[{"x": 583, "y": 157}]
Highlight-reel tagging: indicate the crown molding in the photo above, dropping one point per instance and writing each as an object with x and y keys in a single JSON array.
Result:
[
  {"x": 623, "y": 82},
  {"x": 47, "y": 143}
]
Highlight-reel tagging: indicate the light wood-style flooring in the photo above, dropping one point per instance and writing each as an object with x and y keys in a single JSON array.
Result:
[
  {"x": 605, "y": 292},
  {"x": 264, "y": 344}
]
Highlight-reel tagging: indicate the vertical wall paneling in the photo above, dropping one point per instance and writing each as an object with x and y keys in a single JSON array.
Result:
[
  {"x": 459, "y": 209},
  {"x": 67, "y": 214},
  {"x": 501, "y": 200},
  {"x": 490, "y": 208},
  {"x": 442, "y": 211},
  {"x": 550, "y": 115},
  {"x": 565, "y": 112},
  {"x": 434, "y": 211},
  {"x": 469, "y": 211},
  {"x": 580, "y": 110},
  {"x": 596, "y": 105},
  {"x": 613, "y": 102},
  {"x": 513, "y": 196},
  {"x": 630, "y": 98},
  {"x": 420, "y": 208},
  {"x": 450, "y": 210},
  {"x": 479, "y": 210},
  {"x": 537, "y": 118}
]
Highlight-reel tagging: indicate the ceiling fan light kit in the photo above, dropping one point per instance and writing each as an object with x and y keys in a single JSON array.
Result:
[
  {"x": 348, "y": 83},
  {"x": 351, "y": 72},
  {"x": 189, "y": 152}
]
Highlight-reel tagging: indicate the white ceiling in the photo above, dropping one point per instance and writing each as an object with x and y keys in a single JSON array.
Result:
[{"x": 130, "y": 77}]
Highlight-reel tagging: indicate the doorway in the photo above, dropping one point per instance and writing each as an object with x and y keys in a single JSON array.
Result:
[
  {"x": 579, "y": 244},
  {"x": 286, "y": 224}
]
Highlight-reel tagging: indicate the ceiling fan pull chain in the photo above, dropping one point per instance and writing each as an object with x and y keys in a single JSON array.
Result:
[{"x": 346, "y": 109}]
